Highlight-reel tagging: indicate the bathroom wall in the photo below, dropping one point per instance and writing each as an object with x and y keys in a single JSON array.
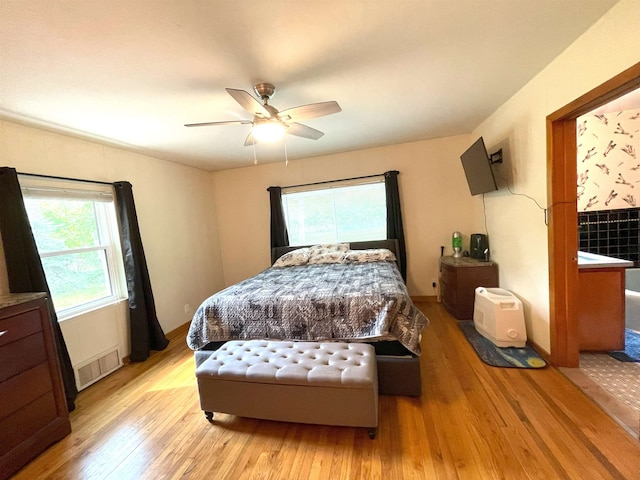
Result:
[
  {"x": 608, "y": 163},
  {"x": 608, "y": 178}
]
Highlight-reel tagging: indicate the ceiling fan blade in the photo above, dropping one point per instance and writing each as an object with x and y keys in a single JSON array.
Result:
[
  {"x": 250, "y": 140},
  {"x": 229, "y": 122},
  {"x": 249, "y": 103},
  {"x": 312, "y": 110},
  {"x": 303, "y": 131}
]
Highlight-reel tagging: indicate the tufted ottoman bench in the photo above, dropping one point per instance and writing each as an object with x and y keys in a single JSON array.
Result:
[{"x": 305, "y": 382}]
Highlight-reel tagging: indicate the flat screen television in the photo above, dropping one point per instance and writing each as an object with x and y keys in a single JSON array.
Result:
[{"x": 477, "y": 169}]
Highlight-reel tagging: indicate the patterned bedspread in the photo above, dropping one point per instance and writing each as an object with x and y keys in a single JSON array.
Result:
[{"x": 337, "y": 301}]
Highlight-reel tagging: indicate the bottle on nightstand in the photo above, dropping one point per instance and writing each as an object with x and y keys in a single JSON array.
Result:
[{"x": 456, "y": 242}]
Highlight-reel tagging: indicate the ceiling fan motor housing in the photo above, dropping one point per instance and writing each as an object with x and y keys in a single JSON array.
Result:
[{"x": 264, "y": 90}]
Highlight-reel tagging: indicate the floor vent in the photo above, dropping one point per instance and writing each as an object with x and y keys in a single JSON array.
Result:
[{"x": 94, "y": 370}]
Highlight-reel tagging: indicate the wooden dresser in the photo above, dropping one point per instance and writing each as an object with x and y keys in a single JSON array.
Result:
[
  {"x": 459, "y": 278},
  {"x": 33, "y": 407}
]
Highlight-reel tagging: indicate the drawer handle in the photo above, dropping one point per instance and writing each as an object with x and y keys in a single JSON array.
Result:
[{"x": 3, "y": 332}]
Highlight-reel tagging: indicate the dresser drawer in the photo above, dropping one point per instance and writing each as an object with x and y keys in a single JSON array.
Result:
[
  {"x": 24, "y": 423},
  {"x": 33, "y": 410},
  {"x": 19, "y": 326},
  {"x": 24, "y": 388},
  {"x": 21, "y": 355}
]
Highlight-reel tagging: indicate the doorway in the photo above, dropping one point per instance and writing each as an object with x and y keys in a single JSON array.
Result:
[{"x": 563, "y": 217}]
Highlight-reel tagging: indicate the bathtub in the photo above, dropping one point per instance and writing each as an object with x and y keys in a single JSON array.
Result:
[{"x": 632, "y": 299}]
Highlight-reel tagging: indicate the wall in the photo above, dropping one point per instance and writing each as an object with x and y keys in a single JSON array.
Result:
[
  {"x": 516, "y": 225},
  {"x": 608, "y": 163},
  {"x": 175, "y": 210},
  {"x": 608, "y": 174},
  {"x": 434, "y": 195}
]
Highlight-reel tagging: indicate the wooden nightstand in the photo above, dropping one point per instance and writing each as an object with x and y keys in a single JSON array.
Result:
[{"x": 459, "y": 278}]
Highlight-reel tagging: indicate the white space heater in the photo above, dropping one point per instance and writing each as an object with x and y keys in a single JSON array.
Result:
[{"x": 498, "y": 316}]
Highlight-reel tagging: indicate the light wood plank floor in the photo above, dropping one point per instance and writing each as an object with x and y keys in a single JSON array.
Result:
[{"x": 472, "y": 422}]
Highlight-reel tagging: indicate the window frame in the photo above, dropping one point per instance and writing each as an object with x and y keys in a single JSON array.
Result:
[
  {"x": 102, "y": 195},
  {"x": 328, "y": 186}
]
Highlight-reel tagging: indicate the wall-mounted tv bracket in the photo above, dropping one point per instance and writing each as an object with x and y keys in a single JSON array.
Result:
[{"x": 495, "y": 157}]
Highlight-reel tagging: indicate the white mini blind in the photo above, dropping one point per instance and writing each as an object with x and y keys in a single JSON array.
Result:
[{"x": 47, "y": 188}]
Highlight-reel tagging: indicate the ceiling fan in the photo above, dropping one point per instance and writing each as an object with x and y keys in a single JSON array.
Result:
[{"x": 268, "y": 123}]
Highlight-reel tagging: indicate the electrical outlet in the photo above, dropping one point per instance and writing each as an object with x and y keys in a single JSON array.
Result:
[
  {"x": 434, "y": 283},
  {"x": 187, "y": 308}
]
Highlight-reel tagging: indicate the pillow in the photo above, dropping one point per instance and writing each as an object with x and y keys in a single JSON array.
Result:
[
  {"x": 328, "y": 253},
  {"x": 370, "y": 255},
  {"x": 299, "y": 256},
  {"x": 329, "y": 247},
  {"x": 334, "y": 256}
]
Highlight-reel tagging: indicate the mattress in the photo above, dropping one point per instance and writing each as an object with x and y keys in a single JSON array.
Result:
[{"x": 364, "y": 301}]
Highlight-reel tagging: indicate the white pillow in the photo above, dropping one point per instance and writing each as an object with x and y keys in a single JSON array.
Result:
[
  {"x": 293, "y": 258},
  {"x": 370, "y": 255}
]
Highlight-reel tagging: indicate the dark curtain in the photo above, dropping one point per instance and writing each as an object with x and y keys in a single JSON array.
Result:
[
  {"x": 394, "y": 217},
  {"x": 146, "y": 332},
  {"x": 24, "y": 267},
  {"x": 279, "y": 235}
]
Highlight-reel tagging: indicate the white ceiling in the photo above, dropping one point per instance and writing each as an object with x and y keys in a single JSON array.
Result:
[{"x": 132, "y": 72}]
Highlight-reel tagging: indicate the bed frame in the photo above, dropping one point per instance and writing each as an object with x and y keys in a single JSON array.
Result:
[{"x": 398, "y": 368}]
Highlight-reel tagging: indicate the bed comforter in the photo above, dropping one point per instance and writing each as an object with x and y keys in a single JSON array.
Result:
[{"x": 313, "y": 302}]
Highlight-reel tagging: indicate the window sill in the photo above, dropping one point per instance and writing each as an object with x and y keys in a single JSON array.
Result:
[{"x": 95, "y": 307}]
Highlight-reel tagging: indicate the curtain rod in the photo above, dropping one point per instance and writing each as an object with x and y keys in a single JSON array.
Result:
[
  {"x": 64, "y": 178},
  {"x": 333, "y": 181}
]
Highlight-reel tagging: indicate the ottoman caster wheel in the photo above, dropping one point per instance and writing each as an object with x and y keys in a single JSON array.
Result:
[
  {"x": 209, "y": 416},
  {"x": 372, "y": 433}
]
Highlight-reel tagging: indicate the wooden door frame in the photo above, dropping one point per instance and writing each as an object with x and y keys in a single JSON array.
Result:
[{"x": 563, "y": 215}]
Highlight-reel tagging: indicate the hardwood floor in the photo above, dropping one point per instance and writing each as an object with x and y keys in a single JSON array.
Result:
[{"x": 472, "y": 422}]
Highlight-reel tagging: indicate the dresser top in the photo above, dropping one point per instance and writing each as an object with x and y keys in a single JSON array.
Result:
[
  {"x": 18, "y": 298},
  {"x": 465, "y": 262}
]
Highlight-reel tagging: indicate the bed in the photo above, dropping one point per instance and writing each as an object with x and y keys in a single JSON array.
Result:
[{"x": 346, "y": 292}]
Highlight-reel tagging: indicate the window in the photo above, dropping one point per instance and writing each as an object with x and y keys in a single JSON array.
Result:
[
  {"x": 77, "y": 238},
  {"x": 338, "y": 214}
]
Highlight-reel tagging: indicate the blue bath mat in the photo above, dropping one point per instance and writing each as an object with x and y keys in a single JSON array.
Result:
[
  {"x": 631, "y": 352},
  {"x": 500, "y": 357}
]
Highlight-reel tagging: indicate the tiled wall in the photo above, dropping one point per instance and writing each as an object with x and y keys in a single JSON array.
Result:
[{"x": 614, "y": 233}]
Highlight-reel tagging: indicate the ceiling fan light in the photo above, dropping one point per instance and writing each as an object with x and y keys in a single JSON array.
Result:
[{"x": 268, "y": 131}]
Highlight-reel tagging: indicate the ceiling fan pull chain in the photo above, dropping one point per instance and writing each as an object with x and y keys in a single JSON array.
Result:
[{"x": 286, "y": 156}]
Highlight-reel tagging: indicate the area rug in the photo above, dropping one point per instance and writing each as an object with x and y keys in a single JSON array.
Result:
[
  {"x": 631, "y": 352},
  {"x": 500, "y": 357}
]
